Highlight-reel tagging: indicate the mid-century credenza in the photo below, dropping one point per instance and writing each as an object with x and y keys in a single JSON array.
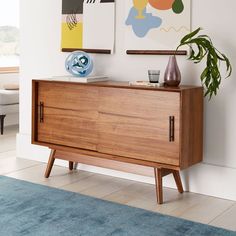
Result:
[{"x": 159, "y": 127}]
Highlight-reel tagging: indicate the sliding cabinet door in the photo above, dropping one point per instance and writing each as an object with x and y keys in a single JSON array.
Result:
[
  {"x": 140, "y": 124},
  {"x": 67, "y": 115}
]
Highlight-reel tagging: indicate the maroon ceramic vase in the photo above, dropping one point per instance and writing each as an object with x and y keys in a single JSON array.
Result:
[{"x": 172, "y": 75}]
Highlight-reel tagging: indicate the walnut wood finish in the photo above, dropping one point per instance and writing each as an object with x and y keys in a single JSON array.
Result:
[
  {"x": 69, "y": 115},
  {"x": 71, "y": 164},
  {"x": 191, "y": 127},
  {"x": 69, "y": 128},
  {"x": 115, "y": 84},
  {"x": 156, "y": 52},
  {"x": 67, "y": 96},
  {"x": 105, "y": 163},
  {"x": 50, "y": 163},
  {"x": 159, "y": 186},
  {"x": 34, "y": 128},
  {"x": 91, "y": 154},
  {"x": 159, "y": 174},
  {"x": 97, "y": 51},
  {"x": 178, "y": 181},
  {"x": 120, "y": 123},
  {"x": 134, "y": 123}
]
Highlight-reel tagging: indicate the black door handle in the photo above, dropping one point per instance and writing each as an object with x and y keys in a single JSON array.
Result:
[
  {"x": 41, "y": 118},
  {"x": 171, "y": 128}
]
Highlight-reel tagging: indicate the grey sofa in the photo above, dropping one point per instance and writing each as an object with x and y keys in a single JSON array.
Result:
[{"x": 9, "y": 104}]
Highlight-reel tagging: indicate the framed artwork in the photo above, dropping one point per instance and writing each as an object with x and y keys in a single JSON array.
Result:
[
  {"x": 156, "y": 26},
  {"x": 88, "y": 25}
]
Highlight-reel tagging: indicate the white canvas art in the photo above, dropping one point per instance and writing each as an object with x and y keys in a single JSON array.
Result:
[
  {"x": 99, "y": 24},
  {"x": 156, "y": 24},
  {"x": 88, "y": 24}
]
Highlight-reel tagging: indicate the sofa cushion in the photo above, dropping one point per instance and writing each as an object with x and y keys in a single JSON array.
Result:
[
  {"x": 12, "y": 86},
  {"x": 9, "y": 97},
  {"x": 9, "y": 109}
]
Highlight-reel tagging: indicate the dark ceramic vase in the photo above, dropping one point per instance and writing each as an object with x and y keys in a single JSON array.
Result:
[{"x": 172, "y": 75}]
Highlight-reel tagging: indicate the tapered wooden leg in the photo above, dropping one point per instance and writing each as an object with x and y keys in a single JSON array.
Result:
[
  {"x": 159, "y": 187},
  {"x": 76, "y": 165},
  {"x": 50, "y": 163},
  {"x": 70, "y": 165},
  {"x": 178, "y": 181}
]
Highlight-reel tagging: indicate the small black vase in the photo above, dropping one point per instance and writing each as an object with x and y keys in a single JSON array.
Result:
[{"x": 172, "y": 75}]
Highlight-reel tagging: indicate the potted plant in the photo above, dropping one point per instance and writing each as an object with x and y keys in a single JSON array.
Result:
[{"x": 202, "y": 49}]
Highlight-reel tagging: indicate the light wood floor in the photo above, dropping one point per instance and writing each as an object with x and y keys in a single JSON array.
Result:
[{"x": 195, "y": 207}]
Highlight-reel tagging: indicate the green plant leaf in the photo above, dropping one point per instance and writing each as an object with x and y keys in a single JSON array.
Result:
[
  {"x": 228, "y": 65},
  {"x": 211, "y": 77},
  {"x": 204, "y": 73},
  {"x": 190, "y": 35}
]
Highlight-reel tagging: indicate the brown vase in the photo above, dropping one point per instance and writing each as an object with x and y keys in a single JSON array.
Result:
[{"x": 172, "y": 75}]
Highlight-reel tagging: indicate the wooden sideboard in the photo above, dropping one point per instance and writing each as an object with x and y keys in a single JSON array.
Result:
[{"x": 157, "y": 127}]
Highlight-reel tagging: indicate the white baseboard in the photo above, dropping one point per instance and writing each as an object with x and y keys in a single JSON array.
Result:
[{"x": 217, "y": 181}]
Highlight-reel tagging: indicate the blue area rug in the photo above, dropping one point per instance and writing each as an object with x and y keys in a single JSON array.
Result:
[{"x": 32, "y": 209}]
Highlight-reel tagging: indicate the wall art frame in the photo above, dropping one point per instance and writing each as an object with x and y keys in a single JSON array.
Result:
[
  {"x": 88, "y": 25},
  {"x": 155, "y": 27}
]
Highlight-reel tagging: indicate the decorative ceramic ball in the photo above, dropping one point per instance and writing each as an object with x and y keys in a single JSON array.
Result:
[{"x": 79, "y": 64}]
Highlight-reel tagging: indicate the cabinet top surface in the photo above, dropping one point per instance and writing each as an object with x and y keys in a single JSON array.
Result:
[{"x": 121, "y": 84}]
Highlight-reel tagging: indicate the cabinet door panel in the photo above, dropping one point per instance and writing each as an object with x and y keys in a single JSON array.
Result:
[
  {"x": 68, "y": 96},
  {"x": 69, "y": 114},
  {"x": 68, "y": 128},
  {"x": 135, "y": 123}
]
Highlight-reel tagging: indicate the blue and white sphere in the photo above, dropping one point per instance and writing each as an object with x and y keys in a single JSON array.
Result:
[{"x": 79, "y": 64}]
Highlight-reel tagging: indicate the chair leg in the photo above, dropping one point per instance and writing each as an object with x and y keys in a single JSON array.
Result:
[
  {"x": 2, "y": 117},
  {"x": 50, "y": 163},
  {"x": 71, "y": 165}
]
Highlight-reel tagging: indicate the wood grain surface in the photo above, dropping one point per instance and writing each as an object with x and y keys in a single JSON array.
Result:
[
  {"x": 115, "y": 121},
  {"x": 156, "y": 52},
  {"x": 191, "y": 127},
  {"x": 136, "y": 124},
  {"x": 69, "y": 97},
  {"x": 71, "y": 128}
]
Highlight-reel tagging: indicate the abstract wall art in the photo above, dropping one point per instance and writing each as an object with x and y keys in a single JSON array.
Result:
[
  {"x": 88, "y": 24},
  {"x": 156, "y": 24}
]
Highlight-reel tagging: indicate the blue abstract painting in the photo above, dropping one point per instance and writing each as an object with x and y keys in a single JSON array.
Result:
[
  {"x": 156, "y": 24},
  {"x": 141, "y": 27}
]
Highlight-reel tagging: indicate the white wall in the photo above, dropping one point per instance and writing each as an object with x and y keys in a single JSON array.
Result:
[{"x": 41, "y": 57}]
